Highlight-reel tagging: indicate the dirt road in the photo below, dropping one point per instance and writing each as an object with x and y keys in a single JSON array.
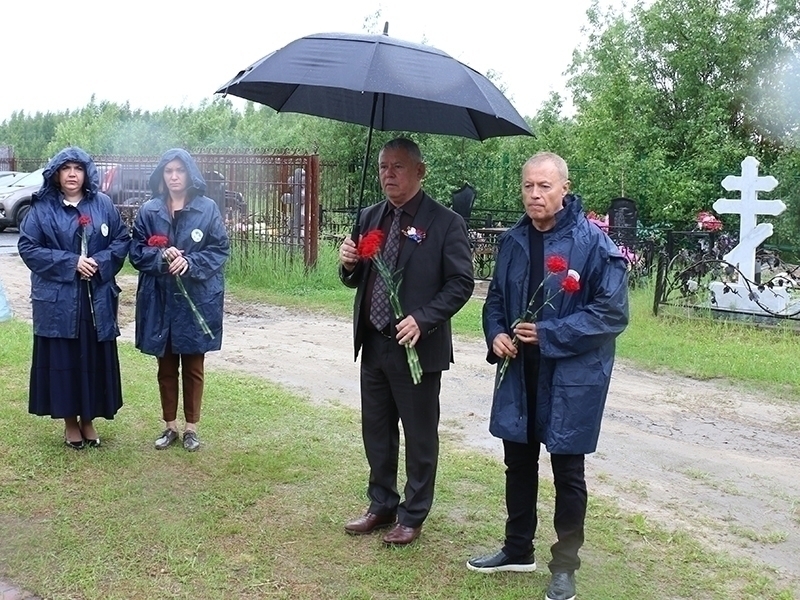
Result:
[{"x": 704, "y": 456}]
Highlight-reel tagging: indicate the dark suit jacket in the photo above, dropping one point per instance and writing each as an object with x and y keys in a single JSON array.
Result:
[{"x": 437, "y": 279}]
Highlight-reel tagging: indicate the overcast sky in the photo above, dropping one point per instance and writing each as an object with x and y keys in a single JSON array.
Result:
[{"x": 176, "y": 53}]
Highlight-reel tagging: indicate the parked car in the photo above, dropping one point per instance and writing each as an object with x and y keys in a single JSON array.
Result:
[
  {"x": 9, "y": 177},
  {"x": 128, "y": 187},
  {"x": 15, "y": 199}
]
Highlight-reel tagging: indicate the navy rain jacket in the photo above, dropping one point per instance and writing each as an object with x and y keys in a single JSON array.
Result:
[
  {"x": 161, "y": 310},
  {"x": 50, "y": 245},
  {"x": 576, "y": 335}
]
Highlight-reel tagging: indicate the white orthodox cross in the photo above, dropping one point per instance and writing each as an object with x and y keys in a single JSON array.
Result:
[{"x": 751, "y": 235}]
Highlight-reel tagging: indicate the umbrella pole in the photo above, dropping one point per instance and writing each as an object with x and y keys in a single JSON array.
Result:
[{"x": 357, "y": 224}]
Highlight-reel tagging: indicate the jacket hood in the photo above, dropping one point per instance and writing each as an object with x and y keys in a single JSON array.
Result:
[
  {"x": 197, "y": 185},
  {"x": 50, "y": 187}
]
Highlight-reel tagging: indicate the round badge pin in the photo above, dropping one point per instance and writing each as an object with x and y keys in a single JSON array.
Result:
[
  {"x": 197, "y": 235},
  {"x": 104, "y": 229}
]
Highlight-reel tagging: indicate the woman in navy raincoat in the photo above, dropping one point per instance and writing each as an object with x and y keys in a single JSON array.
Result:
[
  {"x": 74, "y": 242},
  {"x": 179, "y": 245}
]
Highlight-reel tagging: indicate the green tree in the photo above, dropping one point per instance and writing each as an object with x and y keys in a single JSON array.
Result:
[
  {"x": 30, "y": 134},
  {"x": 666, "y": 100},
  {"x": 88, "y": 128}
]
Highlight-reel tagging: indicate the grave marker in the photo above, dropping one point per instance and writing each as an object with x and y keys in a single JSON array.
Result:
[
  {"x": 622, "y": 217},
  {"x": 751, "y": 235}
]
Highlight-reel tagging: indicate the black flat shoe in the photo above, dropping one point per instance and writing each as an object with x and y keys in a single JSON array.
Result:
[
  {"x": 75, "y": 445},
  {"x": 91, "y": 442}
]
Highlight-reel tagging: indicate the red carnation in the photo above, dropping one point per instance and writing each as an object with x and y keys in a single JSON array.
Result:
[
  {"x": 158, "y": 241},
  {"x": 370, "y": 244},
  {"x": 84, "y": 220},
  {"x": 556, "y": 264},
  {"x": 570, "y": 284}
]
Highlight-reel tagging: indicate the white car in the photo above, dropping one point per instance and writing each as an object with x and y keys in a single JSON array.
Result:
[
  {"x": 9, "y": 177},
  {"x": 15, "y": 199}
]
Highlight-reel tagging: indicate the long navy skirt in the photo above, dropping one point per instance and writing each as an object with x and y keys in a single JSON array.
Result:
[{"x": 75, "y": 378}]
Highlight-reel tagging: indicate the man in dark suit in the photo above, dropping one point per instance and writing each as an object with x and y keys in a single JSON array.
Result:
[{"x": 436, "y": 267}]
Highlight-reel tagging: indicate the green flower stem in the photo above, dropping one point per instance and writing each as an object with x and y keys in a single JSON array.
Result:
[
  {"x": 529, "y": 316},
  {"x": 393, "y": 281},
  {"x": 200, "y": 320},
  {"x": 85, "y": 253},
  {"x": 413, "y": 364}
]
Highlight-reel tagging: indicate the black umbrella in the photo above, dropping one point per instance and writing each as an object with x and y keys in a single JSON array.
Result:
[{"x": 381, "y": 82}]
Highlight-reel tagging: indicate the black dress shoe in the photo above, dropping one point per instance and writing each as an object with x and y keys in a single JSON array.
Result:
[
  {"x": 493, "y": 563},
  {"x": 368, "y": 523}
]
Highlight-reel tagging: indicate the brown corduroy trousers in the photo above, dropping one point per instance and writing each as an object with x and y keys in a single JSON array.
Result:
[{"x": 192, "y": 375}]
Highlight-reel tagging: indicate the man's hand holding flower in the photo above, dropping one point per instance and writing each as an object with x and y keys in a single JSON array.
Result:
[
  {"x": 408, "y": 332},
  {"x": 526, "y": 332}
]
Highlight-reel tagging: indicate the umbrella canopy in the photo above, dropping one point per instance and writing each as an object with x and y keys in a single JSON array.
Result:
[{"x": 380, "y": 82}]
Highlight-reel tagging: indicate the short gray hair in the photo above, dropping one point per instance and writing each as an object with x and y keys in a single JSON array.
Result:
[
  {"x": 541, "y": 157},
  {"x": 402, "y": 143}
]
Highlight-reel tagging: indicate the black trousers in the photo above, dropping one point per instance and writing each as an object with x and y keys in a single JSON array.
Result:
[
  {"x": 522, "y": 487},
  {"x": 389, "y": 396},
  {"x": 522, "y": 490}
]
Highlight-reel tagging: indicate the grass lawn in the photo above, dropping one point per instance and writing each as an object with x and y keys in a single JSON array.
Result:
[{"x": 258, "y": 512}]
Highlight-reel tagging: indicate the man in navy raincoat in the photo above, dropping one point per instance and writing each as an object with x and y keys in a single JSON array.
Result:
[{"x": 559, "y": 369}]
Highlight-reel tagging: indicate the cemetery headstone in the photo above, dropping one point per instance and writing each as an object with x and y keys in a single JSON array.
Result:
[
  {"x": 622, "y": 217},
  {"x": 743, "y": 295}
]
